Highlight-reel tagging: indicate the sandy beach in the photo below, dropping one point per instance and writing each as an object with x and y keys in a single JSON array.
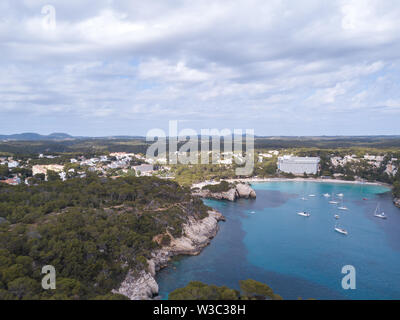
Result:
[{"x": 252, "y": 180}]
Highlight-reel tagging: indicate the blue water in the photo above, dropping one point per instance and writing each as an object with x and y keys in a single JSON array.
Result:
[{"x": 265, "y": 240}]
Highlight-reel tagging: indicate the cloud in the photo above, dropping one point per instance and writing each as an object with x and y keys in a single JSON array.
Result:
[{"x": 131, "y": 66}]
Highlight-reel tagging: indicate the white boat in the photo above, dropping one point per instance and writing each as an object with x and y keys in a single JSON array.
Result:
[
  {"x": 311, "y": 195},
  {"x": 341, "y": 230},
  {"x": 340, "y": 194},
  {"x": 252, "y": 212},
  {"x": 326, "y": 195},
  {"x": 333, "y": 201},
  {"x": 304, "y": 214},
  {"x": 337, "y": 216},
  {"x": 379, "y": 214},
  {"x": 304, "y": 199},
  {"x": 342, "y": 207}
]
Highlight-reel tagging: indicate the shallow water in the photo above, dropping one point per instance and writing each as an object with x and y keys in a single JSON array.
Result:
[{"x": 265, "y": 240}]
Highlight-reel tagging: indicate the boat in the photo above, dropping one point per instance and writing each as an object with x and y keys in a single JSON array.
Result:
[
  {"x": 342, "y": 207},
  {"x": 379, "y": 214},
  {"x": 311, "y": 195},
  {"x": 304, "y": 199},
  {"x": 304, "y": 214},
  {"x": 337, "y": 216},
  {"x": 365, "y": 199},
  {"x": 252, "y": 212},
  {"x": 341, "y": 230},
  {"x": 333, "y": 201},
  {"x": 340, "y": 194},
  {"x": 326, "y": 195}
]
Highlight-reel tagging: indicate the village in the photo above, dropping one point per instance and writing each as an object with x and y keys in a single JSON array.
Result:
[{"x": 15, "y": 170}]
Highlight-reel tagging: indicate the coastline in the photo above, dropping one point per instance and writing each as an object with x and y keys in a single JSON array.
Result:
[
  {"x": 252, "y": 180},
  {"x": 197, "y": 234}
]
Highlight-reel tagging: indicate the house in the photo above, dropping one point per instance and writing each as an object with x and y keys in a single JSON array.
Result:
[
  {"x": 12, "y": 181},
  {"x": 143, "y": 169},
  {"x": 42, "y": 169},
  {"x": 13, "y": 164},
  {"x": 298, "y": 165}
]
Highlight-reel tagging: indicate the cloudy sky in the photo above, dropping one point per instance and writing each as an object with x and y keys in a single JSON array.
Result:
[{"x": 122, "y": 67}]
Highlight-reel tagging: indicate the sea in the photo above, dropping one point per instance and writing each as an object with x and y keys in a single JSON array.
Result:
[{"x": 301, "y": 257}]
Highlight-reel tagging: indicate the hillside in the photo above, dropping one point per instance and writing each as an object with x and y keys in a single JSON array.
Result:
[{"x": 93, "y": 231}]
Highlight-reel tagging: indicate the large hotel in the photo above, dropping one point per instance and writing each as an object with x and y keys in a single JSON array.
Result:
[{"x": 298, "y": 165}]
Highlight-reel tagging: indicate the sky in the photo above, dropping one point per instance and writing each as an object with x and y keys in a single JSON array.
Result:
[{"x": 124, "y": 67}]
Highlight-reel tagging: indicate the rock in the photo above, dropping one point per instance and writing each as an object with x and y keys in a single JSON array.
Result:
[
  {"x": 196, "y": 235},
  {"x": 141, "y": 287},
  {"x": 245, "y": 191},
  {"x": 241, "y": 190},
  {"x": 396, "y": 202}
]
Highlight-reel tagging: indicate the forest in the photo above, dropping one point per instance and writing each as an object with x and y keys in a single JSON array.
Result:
[
  {"x": 91, "y": 230},
  {"x": 249, "y": 290}
]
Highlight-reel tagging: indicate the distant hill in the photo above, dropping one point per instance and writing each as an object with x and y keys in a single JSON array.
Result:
[{"x": 30, "y": 136}]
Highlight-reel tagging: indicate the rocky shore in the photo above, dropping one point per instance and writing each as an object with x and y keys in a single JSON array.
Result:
[
  {"x": 196, "y": 235},
  {"x": 396, "y": 202},
  {"x": 240, "y": 190}
]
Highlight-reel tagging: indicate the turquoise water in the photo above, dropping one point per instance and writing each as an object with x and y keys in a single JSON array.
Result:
[{"x": 265, "y": 240}]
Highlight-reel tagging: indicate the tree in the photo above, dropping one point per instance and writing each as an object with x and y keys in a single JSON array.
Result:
[
  {"x": 53, "y": 176},
  {"x": 252, "y": 289},
  {"x": 4, "y": 171},
  {"x": 24, "y": 288},
  {"x": 197, "y": 290},
  {"x": 396, "y": 189}
]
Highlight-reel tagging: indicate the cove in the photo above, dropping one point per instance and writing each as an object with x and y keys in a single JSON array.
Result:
[{"x": 265, "y": 240}]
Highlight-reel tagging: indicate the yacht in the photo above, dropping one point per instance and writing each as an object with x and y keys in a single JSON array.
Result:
[
  {"x": 333, "y": 201},
  {"x": 379, "y": 214},
  {"x": 340, "y": 230},
  {"x": 304, "y": 214},
  {"x": 342, "y": 207}
]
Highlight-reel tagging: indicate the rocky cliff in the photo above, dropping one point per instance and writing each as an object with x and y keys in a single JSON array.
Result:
[
  {"x": 196, "y": 235},
  {"x": 241, "y": 190}
]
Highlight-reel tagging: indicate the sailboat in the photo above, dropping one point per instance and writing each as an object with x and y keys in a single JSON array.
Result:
[
  {"x": 304, "y": 197},
  {"x": 304, "y": 214},
  {"x": 342, "y": 207},
  {"x": 333, "y": 201},
  {"x": 379, "y": 214},
  {"x": 341, "y": 230}
]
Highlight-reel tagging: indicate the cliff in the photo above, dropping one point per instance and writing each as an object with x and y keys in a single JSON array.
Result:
[
  {"x": 196, "y": 235},
  {"x": 241, "y": 190}
]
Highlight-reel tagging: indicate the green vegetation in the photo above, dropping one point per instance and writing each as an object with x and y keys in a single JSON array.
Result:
[
  {"x": 220, "y": 187},
  {"x": 91, "y": 230},
  {"x": 249, "y": 290},
  {"x": 396, "y": 189}
]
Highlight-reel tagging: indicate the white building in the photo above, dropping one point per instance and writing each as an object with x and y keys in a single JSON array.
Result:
[
  {"x": 143, "y": 169},
  {"x": 298, "y": 165}
]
